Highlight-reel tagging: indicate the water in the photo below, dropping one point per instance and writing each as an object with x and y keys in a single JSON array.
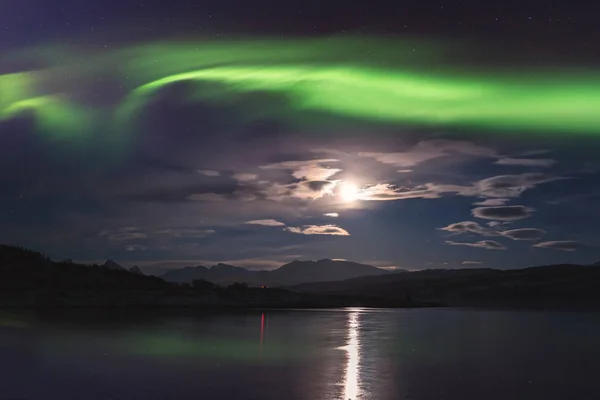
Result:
[{"x": 301, "y": 354}]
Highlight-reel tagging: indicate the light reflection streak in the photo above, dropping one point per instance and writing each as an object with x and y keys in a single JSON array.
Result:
[
  {"x": 352, "y": 348},
  {"x": 262, "y": 332}
]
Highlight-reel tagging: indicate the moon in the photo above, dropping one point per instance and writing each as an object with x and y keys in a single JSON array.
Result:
[{"x": 348, "y": 192}]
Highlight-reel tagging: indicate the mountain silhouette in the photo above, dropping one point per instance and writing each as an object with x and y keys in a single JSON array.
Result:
[
  {"x": 30, "y": 279},
  {"x": 320, "y": 271},
  {"x": 186, "y": 274},
  {"x": 136, "y": 270},
  {"x": 551, "y": 286},
  {"x": 110, "y": 264},
  {"x": 292, "y": 273}
]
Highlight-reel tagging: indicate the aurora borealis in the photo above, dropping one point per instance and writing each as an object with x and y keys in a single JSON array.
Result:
[{"x": 314, "y": 75}]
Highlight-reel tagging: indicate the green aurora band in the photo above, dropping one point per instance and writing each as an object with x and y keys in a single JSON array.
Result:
[{"x": 364, "y": 79}]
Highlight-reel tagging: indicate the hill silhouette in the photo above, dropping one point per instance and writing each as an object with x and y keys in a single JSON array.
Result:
[
  {"x": 292, "y": 273},
  {"x": 545, "y": 286},
  {"x": 136, "y": 270},
  {"x": 110, "y": 264},
  {"x": 29, "y": 279}
]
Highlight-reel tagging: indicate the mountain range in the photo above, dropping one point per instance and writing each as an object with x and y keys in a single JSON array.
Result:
[
  {"x": 552, "y": 286},
  {"x": 292, "y": 273},
  {"x": 136, "y": 270},
  {"x": 29, "y": 279},
  {"x": 112, "y": 265}
]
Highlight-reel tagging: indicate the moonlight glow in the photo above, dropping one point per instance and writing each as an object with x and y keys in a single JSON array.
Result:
[{"x": 348, "y": 192}]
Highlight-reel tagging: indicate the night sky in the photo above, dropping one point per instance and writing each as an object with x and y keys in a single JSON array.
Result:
[{"x": 414, "y": 135}]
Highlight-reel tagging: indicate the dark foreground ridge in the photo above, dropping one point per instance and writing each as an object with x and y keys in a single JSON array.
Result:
[
  {"x": 29, "y": 279},
  {"x": 553, "y": 287}
]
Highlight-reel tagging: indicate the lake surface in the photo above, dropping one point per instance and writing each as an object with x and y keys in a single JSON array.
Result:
[{"x": 300, "y": 354}]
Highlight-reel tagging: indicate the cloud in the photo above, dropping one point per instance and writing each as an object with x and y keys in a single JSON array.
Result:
[
  {"x": 207, "y": 172},
  {"x": 319, "y": 230},
  {"x": 474, "y": 227},
  {"x": 564, "y": 245},
  {"x": 471, "y": 263},
  {"x": 127, "y": 236},
  {"x": 499, "y": 188},
  {"x": 207, "y": 197},
  {"x": 312, "y": 189},
  {"x": 310, "y": 170},
  {"x": 391, "y": 268},
  {"x": 244, "y": 177},
  {"x": 492, "y": 202},
  {"x": 123, "y": 234},
  {"x": 387, "y": 192},
  {"x": 135, "y": 247},
  {"x": 469, "y": 227},
  {"x": 527, "y": 162},
  {"x": 317, "y": 186},
  {"x": 311, "y": 180},
  {"x": 332, "y": 215},
  {"x": 404, "y": 171},
  {"x": 315, "y": 183},
  {"x": 429, "y": 150},
  {"x": 507, "y": 186},
  {"x": 524, "y": 234},
  {"x": 483, "y": 244},
  {"x": 536, "y": 152},
  {"x": 275, "y": 191},
  {"x": 187, "y": 233},
  {"x": 307, "y": 190},
  {"x": 493, "y": 224},
  {"x": 265, "y": 222},
  {"x": 145, "y": 185},
  {"x": 257, "y": 264},
  {"x": 496, "y": 190},
  {"x": 505, "y": 213}
]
